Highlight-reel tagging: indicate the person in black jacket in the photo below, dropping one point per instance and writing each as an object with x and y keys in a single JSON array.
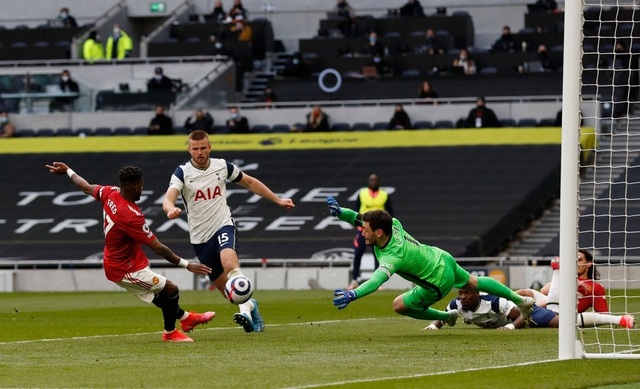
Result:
[
  {"x": 200, "y": 120},
  {"x": 400, "y": 119},
  {"x": 237, "y": 124},
  {"x": 161, "y": 124},
  {"x": 67, "y": 85},
  {"x": 159, "y": 82},
  {"x": 481, "y": 116}
]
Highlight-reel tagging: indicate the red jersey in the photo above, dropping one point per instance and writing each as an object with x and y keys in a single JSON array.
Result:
[
  {"x": 125, "y": 229},
  {"x": 591, "y": 295}
]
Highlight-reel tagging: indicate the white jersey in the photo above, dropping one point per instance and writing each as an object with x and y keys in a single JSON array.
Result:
[
  {"x": 492, "y": 312},
  {"x": 204, "y": 194}
]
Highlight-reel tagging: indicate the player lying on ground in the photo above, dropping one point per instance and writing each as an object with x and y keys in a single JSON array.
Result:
[
  {"x": 125, "y": 263},
  {"x": 487, "y": 311},
  {"x": 591, "y": 294},
  {"x": 433, "y": 270}
]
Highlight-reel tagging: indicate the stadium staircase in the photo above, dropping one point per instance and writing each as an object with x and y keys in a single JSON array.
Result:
[{"x": 542, "y": 238}]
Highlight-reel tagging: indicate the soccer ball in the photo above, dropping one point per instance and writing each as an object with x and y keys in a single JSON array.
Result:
[{"x": 238, "y": 289}]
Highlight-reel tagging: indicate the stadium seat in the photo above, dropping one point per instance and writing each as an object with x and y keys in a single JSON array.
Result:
[
  {"x": 508, "y": 122},
  {"x": 140, "y": 131},
  {"x": 260, "y": 129},
  {"x": 281, "y": 128},
  {"x": 122, "y": 131},
  {"x": 45, "y": 132},
  {"x": 378, "y": 126},
  {"x": 443, "y": 124},
  {"x": 84, "y": 131},
  {"x": 547, "y": 122},
  {"x": 102, "y": 131},
  {"x": 423, "y": 125},
  {"x": 220, "y": 129},
  {"x": 361, "y": 126},
  {"x": 341, "y": 127},
  {"x": 180, "y": 130},
  {"x": 64, "y": 132},
  {"x": 527, "y": 122},
  {"x": 489, "y": 70},
  {"x": 410, "y": 73},
  {"x": 25, "y": 132},
  {"x": 41, "y": 44}
]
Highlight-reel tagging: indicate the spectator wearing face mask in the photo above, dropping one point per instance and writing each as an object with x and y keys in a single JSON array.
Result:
[
  {"x": 295, "y": 67},
  {"x": 374, "y": 45},
  {"x": 119, "y": 44},
  {"x": 92, "y": 49},
  {"x": 66, "y": 20},
  {"x": 67, "y": 85},
  {"x": 219, "y": 47},
  {"x": 159, "y": 82},
  {"x": 7, "y": 129},
  {"x": 383, "y": 68},
  {"x": 244, "y": 31},
  {"x": 237, "y": 124}
]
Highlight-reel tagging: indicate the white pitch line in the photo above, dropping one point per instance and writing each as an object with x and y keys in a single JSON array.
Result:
[
  {"x": 200, "y": 329},
  {"x": 403, "y": 377}
]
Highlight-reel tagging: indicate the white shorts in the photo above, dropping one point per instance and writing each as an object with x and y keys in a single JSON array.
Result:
[{"x": 145, "y": 284}]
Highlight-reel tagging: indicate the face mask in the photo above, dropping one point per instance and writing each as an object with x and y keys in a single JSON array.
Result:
[
  {"x": 65, "y": 78},
  {"x": 63, "y": 15},
  {"x": 158, "y": 77},
  {"x": 4, "y": 119},
  {"x": 218, "y": 45},
  {"x": 116, "y": 31},
  {"x": 377, "y": 59},
  {"x": 97, "y": 38},
  {"x": 235, "y": 115},
  {"x": 295, "y": 61},
  {"x": 373, "y": 40}
]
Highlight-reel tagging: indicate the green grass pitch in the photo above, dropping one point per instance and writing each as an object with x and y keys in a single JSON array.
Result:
[{"x": 112, "y": 340}]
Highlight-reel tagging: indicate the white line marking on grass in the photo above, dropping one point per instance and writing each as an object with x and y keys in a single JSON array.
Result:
[
  {"x": 200, "y": 329},
  {"x": 404, "y": 377}
]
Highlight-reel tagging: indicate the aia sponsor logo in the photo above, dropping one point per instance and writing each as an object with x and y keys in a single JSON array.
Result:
[{"x": 208, "y": 194}]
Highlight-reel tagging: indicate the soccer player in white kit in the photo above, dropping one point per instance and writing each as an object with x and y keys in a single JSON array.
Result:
[{"x": 202, "y": 184}]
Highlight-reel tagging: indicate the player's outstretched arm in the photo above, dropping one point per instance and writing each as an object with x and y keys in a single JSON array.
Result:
[
  {"x": 345, "y": 214},
  {"x": 434, "y": 326},
  {"x": 258, "y": 187},
  {"x": 62, "y": 168},
  {"x": 169, "y": 203},
  {"x": 166, "y": 253},
  {"x": 342, "y": 297}
]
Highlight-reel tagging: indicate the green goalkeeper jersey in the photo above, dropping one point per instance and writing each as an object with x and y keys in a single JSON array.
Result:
[{"x": 403, "y": 255}]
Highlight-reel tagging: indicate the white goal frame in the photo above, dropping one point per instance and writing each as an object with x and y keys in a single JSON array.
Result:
[{"x": 569, "y": 347}]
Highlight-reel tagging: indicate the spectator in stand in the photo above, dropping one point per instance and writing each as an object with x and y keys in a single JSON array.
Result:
[
  {"x": 426, "y": 93},
  {"x": 159, "y": 82},
  {"x": 218, "y": 13},
  {"x": 161, "y": 124},
  {"x": 317, "y": 120},
  {"x": 347, "y": 15},
  {"x": 67, "y": 85},
  {"x": 506, "y": 43},
  {"x": 481, "y": 116},
  {"x": 119, "y": 44},
  {"x": 65, "y": 19},
  {"x": 268, "y": 97},
  {"x": 431, "y": 45},
  {"x": 465, "y": 63},
  {"x": 243, "y": 30},
  {"x": 92, "y": 49},
  {"x": 200, "y": 120},
  {"x": 545, "y": 58},
  {"x": 400, "y": 119},
  {"x": 219, "y": 48},
  {"x": 412, "y": 8},
  {"x": 237, "y": 124},
  {"x": 238, "y": 10},
  {"x": 7, "y": 129},
  {"x": 374, "y": 45}
]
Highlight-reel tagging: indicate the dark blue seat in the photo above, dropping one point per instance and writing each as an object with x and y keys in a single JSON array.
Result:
[
  {"x": 378, "y": 126},
  {"x": 260, "y": 129},
  {"x": 341, "y": 127},
  {"x": 443, "y": 124},
  {"x": 140, "y": 131},
  {"x": 508, "y": 122},
  {"x": 281, "y": 128},
  {"x": 122, "y": 131},
  {"x": 45, "y": 132},
  {"x": 102, "y": 131},
  {"x": 547, "y": 122},
  {"x": 25, "y": 132},
  {"x": 361, "y": 126},
  {"x": 423, "y": 125},
  {"x": 527, "y": 122},
  {"x": 84, "y": 131},
  {"x": 65, "y": 131},
  {"x": 220, "y": 129}
]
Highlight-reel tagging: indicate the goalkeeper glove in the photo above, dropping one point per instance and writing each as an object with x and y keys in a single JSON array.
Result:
[
  {"x": 343, "y": 298},
  {"x": 334, "y": 208}
]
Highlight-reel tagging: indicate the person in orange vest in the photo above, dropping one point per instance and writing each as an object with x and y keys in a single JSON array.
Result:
[{"x": 369, "y": 198}]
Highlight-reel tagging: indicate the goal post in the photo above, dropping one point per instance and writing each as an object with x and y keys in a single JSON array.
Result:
[{"x": 599, "y": 196}]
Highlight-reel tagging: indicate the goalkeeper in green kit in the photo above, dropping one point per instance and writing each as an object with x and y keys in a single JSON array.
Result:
[{"x": 433, "y": 270}]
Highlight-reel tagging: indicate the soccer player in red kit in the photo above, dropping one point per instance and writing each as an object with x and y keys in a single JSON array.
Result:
[{"x": 125, "y": 263}]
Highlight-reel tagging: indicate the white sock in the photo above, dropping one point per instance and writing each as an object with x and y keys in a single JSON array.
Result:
[
  {"x": 553, "y": 298},
  {"x": 235, "y": 272},
  {"x": 594, "y": 319},
  {"x": 186, "y": 315},
  {"x": 246, "y": 307}
]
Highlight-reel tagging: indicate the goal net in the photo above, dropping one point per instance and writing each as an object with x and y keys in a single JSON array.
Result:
[{"x": 600, "y": 195}]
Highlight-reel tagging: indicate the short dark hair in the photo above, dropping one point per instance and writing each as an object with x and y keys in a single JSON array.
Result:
[
  {"x": 198, "y": 135},
  {"x": 130, "y": 175},
  {"x": 379, "y": 220}
]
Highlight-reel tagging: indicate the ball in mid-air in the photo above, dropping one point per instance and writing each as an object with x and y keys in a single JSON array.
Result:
[{"x": 238, "y": 289}]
